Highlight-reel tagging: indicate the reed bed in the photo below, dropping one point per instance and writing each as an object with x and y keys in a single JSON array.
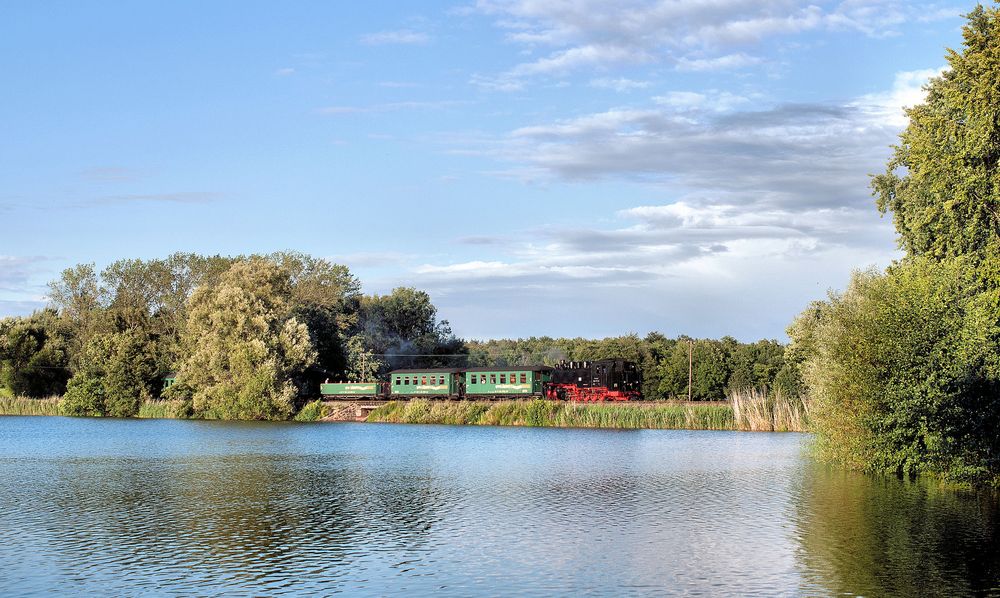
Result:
[
  {"x": 29, "y": 406},
  {"x": 558, "y": 415},
  {"x": 175, "y": 409},
  {"x": 755, "y": 409}
]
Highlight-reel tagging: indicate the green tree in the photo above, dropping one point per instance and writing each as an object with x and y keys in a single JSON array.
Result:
[
  {"x": 903, "y": 368},
  {"x": 897, "y": 379},
  {"x": 34, "y": 354},
  {"x": 942, "y": 183},
  {"x": 80, "y": 298},
  {"x": 243, "y": 344},
  {"x": 117, "y": 372},
  {"x": 404, "y": 323}
]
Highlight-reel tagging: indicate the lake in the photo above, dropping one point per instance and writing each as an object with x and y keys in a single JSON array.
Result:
[{"x": 162, "y": 507}]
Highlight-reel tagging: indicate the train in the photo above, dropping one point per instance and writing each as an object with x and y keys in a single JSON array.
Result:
[{"x": 579, "y": 381}]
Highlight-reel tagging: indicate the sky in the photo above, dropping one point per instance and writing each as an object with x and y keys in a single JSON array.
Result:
[{"x": 540, "y": 167}]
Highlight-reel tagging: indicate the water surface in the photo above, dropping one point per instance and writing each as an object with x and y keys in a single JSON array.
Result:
[{"x": 127, "y": 507}]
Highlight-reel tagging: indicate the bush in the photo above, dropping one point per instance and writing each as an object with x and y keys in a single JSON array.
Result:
[
  {"x": 310, "y": 412},
  {"x": 900, "y": 378},
  {"x": 115, "y": 375}
]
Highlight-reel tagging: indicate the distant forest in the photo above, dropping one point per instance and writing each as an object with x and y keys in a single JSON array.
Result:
[{"x": 251, "y": 336}]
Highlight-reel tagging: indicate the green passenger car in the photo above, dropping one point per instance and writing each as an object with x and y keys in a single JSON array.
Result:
[
  {"x": 506, "y": 382},
  {"x": 349, "y": 389},
  {"x": 428, "y": 382}
]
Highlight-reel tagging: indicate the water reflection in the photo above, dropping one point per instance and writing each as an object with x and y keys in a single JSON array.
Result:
[
  {"x": 862, "y": 535},
  {"x": 186, "y": 508}
]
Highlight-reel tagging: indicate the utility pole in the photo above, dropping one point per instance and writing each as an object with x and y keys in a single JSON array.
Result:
[{"x": 690, "y": 366}]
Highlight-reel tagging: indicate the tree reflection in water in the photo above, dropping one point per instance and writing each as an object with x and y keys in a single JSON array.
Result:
[{"x": 871, "y": 536}]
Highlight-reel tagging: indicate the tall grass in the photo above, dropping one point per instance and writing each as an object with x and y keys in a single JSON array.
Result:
[
  {"x": 28, "y": 406},
  {"x": 558, "y": 415},
  {"x": 175, "y": 409},
  {"x": 756, "y": 410}
]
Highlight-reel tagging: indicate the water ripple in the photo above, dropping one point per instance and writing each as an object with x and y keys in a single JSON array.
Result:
[{"x": 202, "y": 508}]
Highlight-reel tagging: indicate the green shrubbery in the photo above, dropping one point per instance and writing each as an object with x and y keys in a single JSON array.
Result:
[
  {"x": 903, "y": 368},
  {"x": 113, "y": 378},
  {"x": 903, "y": 377},
  {"x": 311, "y": 412}
]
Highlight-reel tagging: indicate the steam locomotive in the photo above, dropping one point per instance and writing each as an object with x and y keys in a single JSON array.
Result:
[{"x": 583, "y": 381}]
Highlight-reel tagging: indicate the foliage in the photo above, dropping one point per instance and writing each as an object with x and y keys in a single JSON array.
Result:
[
  {"x": 34, "y": 355},
  {"x": 311, "y": 412},
  {"x": 942, "y": 183},
  {"x": 719, "y": 365},
  {"x": 164, "y": 409},
  {"x": 903, "y": 368},
  {"x": 243, "y": 345},
  {"x": 401, "y": 327},
  {"x": 897, "y": 378},
  {"x": 116, "y": 374}
]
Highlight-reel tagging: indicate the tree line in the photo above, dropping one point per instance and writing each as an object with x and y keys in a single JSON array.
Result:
[
  {"x": 715, "y": 367},
  {"x": 902, "y": 368},
  {"x": 248, "y": 336},
  {"x": 251, "y": 337}
]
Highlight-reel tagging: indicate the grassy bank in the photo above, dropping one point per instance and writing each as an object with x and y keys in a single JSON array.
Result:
[
  {"x": 50, "y": 406},
  {"x": 28, "y": 406},
  {"x": 747, "y": 411},
  {"x": 756, "y": 410},
  {"x": 559, "y": 415},
  {"x": 176, "y": 409}
]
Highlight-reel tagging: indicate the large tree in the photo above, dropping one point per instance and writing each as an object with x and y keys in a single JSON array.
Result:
[
  {"x": 904, "y": 367},
  {"x": 34, "y": 354},
  {"x": 942, "y": 184},
  {"x": 116, "y": 373},
  {"x": 403, "y": 327},
  {"x": 242, "y": 344}
]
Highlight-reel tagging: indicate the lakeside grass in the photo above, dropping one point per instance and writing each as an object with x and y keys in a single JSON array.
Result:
[
  {"x": 757, "y": 411},
  {"x": 748, "y": 410},
  {"x": 28, "y": 406},
  {"x": 50, "y": 406},
  {"x": 558, "y": 415},
  {"x": 161, "y": 409}
]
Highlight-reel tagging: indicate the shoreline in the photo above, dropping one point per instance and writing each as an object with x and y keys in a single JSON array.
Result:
[{"x": 658, "y": 415}]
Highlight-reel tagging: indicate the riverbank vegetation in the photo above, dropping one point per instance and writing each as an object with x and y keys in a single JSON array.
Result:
[
  {"x": 251, "y": 337},
  {"x": 247, "y": 337},
  {"x": 540, "y": 413},
  {"x": 903, "y": 367},
  {"x": 29, "y": 406}
]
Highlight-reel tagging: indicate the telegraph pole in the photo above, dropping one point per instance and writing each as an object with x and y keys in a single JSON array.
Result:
[{"x": 690, "y": 366}]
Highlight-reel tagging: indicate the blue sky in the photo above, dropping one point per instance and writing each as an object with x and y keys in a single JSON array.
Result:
[{"x": 561, "y": 167}]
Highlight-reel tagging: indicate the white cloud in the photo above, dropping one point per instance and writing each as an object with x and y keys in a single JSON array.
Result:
[
  {"x": 763, "y": 208},
  {"x": 907, "y": 91},
  {"x": 718, "y": 63},
  {"x": 284, "y": 72},
  {"x": 17, "y": 270},
  {"x": 621, "y": 84},
  {"x": 718, "y": 101},
  {"x": 694, "y": 36},
  {"x": 399, "y": 36}
]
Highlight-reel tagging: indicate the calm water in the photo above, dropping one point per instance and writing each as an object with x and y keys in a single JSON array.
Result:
[{"x": 171, "y": 507}]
